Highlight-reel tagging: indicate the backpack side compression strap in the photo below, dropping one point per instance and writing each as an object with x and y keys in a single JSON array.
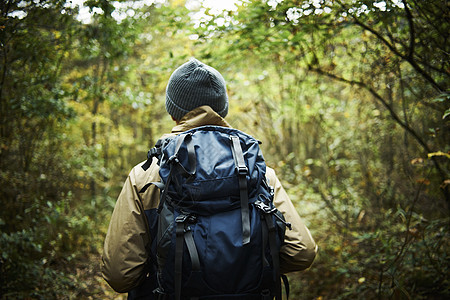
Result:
[
  {"x": 274, "y": 252},
  {"x": 242, "y": 169},
  {"x": 184, "y": 233},
  {"x": 267, "y": 213},
  {"x": 179, "y": 254}
]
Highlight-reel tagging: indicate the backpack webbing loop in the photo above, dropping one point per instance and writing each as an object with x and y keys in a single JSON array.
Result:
[{"x": 242, "y": 169}]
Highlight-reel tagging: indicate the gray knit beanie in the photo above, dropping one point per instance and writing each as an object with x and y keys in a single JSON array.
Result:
[{"x": 195, "y": 84}]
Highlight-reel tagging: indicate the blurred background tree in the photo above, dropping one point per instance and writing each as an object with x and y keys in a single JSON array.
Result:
[{"x": 350, "y": 99}]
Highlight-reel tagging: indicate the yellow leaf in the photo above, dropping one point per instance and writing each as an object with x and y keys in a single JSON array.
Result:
[
  {"x": 438, "y": 153},
  {"x": 445, "y": 183},
  {"x": 423, "y": 181},
  {"x": 417, "y": 161}
]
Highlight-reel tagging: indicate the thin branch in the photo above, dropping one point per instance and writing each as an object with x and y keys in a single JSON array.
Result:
[
  {"x": 330, "y": 205},
  {"x": 406, "y": 240},
  {"x": 409, "y": 59},
  {"x": 421, "y": 11},
  {"x": 394, "y": 116},
  {"x": 4, "y": 69},
  {"x": 412, "y": 33},
  {"x": 379, "y": 98}
]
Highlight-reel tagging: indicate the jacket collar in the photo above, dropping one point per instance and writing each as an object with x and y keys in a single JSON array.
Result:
[{"x": 200, "y": 116}]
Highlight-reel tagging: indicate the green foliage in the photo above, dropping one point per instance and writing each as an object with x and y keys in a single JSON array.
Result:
[
  {"x": 344, "y": 97},
  {"x": 25, "y": 270}
]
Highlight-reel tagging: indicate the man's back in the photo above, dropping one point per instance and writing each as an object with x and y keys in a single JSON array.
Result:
[{"x": 127, "y": 252}]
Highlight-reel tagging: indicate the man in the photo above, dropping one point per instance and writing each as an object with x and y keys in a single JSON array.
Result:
[{"x": 195, "y": 96}]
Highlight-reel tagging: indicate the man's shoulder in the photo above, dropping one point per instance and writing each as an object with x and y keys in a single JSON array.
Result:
[
  {"x": 137, "y": 169},
  {"x": 139, "y": 177}
]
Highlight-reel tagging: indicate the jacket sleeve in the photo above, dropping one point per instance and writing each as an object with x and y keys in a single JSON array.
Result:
[
  {"x": 124, "y": 252},
  {"x": 299, "y": 250}
]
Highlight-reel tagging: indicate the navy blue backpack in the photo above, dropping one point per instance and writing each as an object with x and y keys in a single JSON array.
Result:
[{"x": 216, "y": 233}]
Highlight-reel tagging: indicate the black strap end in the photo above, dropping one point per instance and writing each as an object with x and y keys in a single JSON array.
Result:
[{"x": 147, "y": 164}]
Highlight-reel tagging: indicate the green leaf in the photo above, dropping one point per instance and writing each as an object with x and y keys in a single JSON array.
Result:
[{"x": 442, "y": 97}]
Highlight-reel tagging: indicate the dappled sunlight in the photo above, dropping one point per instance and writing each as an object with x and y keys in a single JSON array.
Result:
[{"x": 349, "y": 100}]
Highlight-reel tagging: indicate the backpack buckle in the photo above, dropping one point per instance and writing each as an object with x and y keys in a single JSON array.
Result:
[
  {"x": 181, "y": 218},
  {"x": 272, "y": 211},
  {"x": 189, "y": 218},
  {"x": 174, "y": 158},
  {"x": 154, "y": 152},
  {"x": 264, "y": 207},
  {"x": 242, "y": 170}
]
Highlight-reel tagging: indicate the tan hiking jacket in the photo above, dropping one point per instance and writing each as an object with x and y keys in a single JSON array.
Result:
[{"x": 124, "y": 253}]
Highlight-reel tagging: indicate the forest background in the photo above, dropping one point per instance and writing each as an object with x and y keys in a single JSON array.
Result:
[{"x": 350, "y": 100}]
